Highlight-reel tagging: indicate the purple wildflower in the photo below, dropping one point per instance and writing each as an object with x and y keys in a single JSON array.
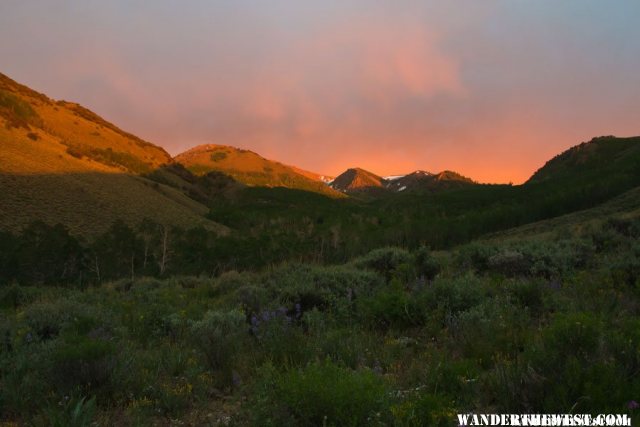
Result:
[
  {"x": 633, "y": 404},
  {"x": 235, "y": 377}
]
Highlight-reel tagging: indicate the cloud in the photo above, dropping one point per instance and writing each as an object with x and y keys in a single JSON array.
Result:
[{"x": 491, "y": 89}]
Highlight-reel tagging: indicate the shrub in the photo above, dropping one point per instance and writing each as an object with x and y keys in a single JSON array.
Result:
[
  {"x": 324, "y": 288},
  {"x": 624, "y": 226},
  {"x": 24, "y": 372},
  {"x": 191, "y": 282},
  {"x": 252, "y": 298},
  {"x": 447, "y": 297},
  {"x": 489, "y": 331},
  {"x": 626, "y": 271},
  {"x": 46, "y": 319},
  {"x": 475, "y": 256},
  {"x": 384, "y": 260},
  {"x": 18, "y": 113},
  {"x": 220, "y": 335},
  {"x": 74, "y": 152},
  {"x": 572, "y": 364},
  {"x": 174, "y": 326},
  {"x": 528, "y": 294},
  {"x": 82, "y": 364},
  {"x": 427, "y": 267},
  {"x": 13, "y": 296},
  {"x": 278, "y": 336},
  {"x": 346, "y": 346},
  {"x": 390, "y": 308},
  {"x": 528, "y": 258},
  {"x": 510, "y": 263},
  {"x": 320, "y": 394},
  {"x": 233, "y": 280},
  {"x": 218, "y": 156}
]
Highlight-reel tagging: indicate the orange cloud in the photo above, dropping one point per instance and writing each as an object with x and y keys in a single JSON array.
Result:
[{"x": 330, "y": 85}]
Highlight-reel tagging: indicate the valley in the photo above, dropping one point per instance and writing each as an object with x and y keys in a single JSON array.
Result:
[{"x": 219, "y": 287}]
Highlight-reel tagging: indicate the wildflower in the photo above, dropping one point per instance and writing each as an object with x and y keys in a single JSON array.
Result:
[
  {"x": 633, "y": 404},
  {"x": 298, "y": 310},
  {"x": 235, "y": 378}
]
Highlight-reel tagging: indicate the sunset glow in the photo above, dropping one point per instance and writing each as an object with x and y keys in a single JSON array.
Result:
[{"x": 489, "y": 89}]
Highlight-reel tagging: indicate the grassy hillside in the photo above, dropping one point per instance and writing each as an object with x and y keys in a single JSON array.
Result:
[
  {"x": 600, "y": 158},
  {"x": 63, "y": 164},
  {"x": 251, "y": 169},
  {"x": 624, "y": 206}
]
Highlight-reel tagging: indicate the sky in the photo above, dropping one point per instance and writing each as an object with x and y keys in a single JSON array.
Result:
[{"x": 491, "y": 89}]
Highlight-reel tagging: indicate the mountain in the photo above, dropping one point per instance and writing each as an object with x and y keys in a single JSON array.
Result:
[
  {"x": 601, "y": 157},
  {"x": 357, "y": 180},
  {"x": 62, "y": 163},
  {"x": 251, "y": 169},
  {"x": 421, "y": 181}
]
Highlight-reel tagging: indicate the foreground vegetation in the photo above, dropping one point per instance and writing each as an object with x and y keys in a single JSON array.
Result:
[{"x": 394, "y": 337}]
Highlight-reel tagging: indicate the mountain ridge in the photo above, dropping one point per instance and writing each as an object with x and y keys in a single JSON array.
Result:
[
  {"x": 250, "y": 168},
  {"x": 358, "y": 180}
]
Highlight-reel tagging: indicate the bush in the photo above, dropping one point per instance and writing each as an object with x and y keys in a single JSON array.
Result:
[
  {"x": 427, "y": 267},
  {"x": 13, "y": 296},
  {"x": 278, "y": 336},
  {"x": 74, "y": 152},
  {"x": 320, "y": 394},
  {"x": 16, "y": 112},
  {"x": 82, "y": 364},
  {"x": 324, "y": 288},
  {"x": 253, "y": 299},
  {"x": 447, "y": 297},
  {"x": 220, "y": 335},
  {"x": 46, "y": 319},
  {"x": 391, "y": 308},
  {"x": 510, "y": 263},
  {"x": 528, "y": 294},
  {"x": 475, "y": 256},
  {"x": 383, "y": 261},
  {"x": 572, "y": 364},
  {"x": 624, "y": 226},
  {"x": 490, "y": 331},
  {"x": 191, "y": 282},
  {"x": 232, "y": 280},
  {"x": 528, "y": 259},
  {"x": 218, "y": 156},
  {"x": 626, "y": 271}
]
